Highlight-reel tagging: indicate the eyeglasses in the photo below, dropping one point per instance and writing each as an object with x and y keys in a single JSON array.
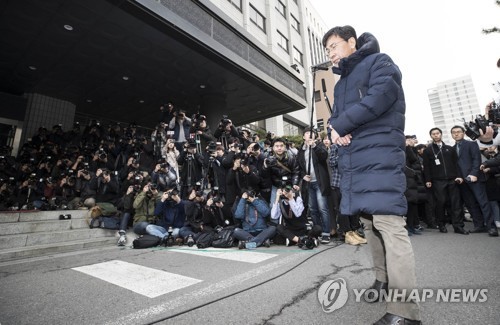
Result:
[{"x": 332, "y": 47}]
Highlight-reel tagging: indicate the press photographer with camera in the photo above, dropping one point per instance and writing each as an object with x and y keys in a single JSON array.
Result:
[
  {"x": 195, "y": 223},
  {"x": 192, "y": 167},
  {"x": 170, "y": 217},
  {"x": 312, "y": 158},
  {"x": 289, "y": 214},
  {"x": 214, "y": 174},
  {"x": 180, "y": 124},
  {"x": 252, "y": 211},
  {"x": 485, "y": 128},
  {"x": 159, "y": 139},
  {"x": 167, "y": 112},
  {"x": 106, "y": 187},
  {"x": 145, "y": 203},
  {"x": 239, "y": 177},
  {"x": 225, "y": 131},
  {"x": 200, "y": 131},
  {"x": 279, "y": 164},
  {"x": 164, "y": 176},
  {"x": 215, "y": 213},
  {"x": 127, "y": 213}
]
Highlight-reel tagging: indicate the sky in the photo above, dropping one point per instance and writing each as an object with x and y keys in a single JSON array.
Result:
[{"x": 430, "y": 41}]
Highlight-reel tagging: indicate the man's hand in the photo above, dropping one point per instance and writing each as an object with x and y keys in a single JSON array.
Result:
[
  {"x": 472, "y": 178},
  {"x": 428, "y": 184},
  {"x": 459, "y": 180},
  {"x": 487, "y": 136},
  {"x": 341, "y": 141},
  {"x": 307, "y": 178}
]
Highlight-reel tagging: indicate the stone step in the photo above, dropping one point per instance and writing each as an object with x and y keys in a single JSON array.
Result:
[
  {"x": 36, "y": 215},
  {"x": 44, "y": 250},
  {"x": 45, "y": 238},
  {"x": 13, "y": 228}
]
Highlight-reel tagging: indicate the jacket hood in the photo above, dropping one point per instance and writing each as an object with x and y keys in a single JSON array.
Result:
[{"x": 366, "y": 45}]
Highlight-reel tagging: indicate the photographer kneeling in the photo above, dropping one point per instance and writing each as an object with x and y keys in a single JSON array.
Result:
[
  {"x": 252, "y": 211},
  {"x": 288, "y": 212},
  {"x": 170, "y": 217}
]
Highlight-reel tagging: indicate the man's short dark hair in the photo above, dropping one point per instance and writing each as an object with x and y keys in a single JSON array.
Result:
[
  {"x": 458, "y": 127},
  {"x": 344, "y": 32},
  {"x": 433, "y": 129},
  {"x": 279, "y": 140}
]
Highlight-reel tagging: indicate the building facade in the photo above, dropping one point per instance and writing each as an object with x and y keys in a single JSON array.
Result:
[{"x": 453, "y": 102}]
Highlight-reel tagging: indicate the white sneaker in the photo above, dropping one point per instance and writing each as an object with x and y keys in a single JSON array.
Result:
[
  {"x": 122, "y": 240},
  {"x": 497, "y": 223}
]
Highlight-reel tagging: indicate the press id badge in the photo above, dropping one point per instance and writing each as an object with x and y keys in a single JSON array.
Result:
[{"x": 437, "y": 162}]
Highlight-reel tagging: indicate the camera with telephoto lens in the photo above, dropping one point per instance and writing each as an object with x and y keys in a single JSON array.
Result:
[
  {"x": 212, "y": 147},
  {"x": 174, "y": 192},
  {"x": 306, "y": 242}
]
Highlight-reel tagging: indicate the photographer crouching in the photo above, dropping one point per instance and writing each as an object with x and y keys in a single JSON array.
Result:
[
  {"x": 252, "y": 212},
  {"x": 290, "y": 216}
]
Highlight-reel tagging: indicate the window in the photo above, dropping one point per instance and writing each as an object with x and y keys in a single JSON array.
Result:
[
  {"x": 282, "y": 42},
  {"x": 297, "y": 56},
  {"x": 236, "y": 3},
  {"x": 281, "y": 8},
  {"x": 257, "y": 18},
  {"x": 295, "y": 24},
  {"x": 320, "y": 124}
]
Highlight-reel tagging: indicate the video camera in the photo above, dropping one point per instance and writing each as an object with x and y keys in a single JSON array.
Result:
[
  {"x": 224, "y": 122},
  {"x": 480, "y": 123}
]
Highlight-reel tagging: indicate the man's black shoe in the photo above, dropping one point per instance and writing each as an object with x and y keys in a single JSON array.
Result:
[
  {"x": 390, "y": 319},
  {"x": 477, "y": 230},
  {"x": 460, "y": 230},
  {"x": 493, "y": 232},
  {"x": 374, "y": 294},
  {"x": 443, "y": 229}
]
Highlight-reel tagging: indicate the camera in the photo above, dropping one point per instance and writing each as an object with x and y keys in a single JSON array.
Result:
[
  {"x": 225, "y": 121},
  {"x": 307, "y": 242},
  {"x": 271, "y": 161},
  {"x": 251, "y": 193},
  {"x": 102, "y": 154},
  {"x": 480, "y": 123},
  {"x": 494, "y": 113}
]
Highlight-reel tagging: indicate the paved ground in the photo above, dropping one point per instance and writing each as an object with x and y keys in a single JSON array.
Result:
[{"x": 277, "y": 285}]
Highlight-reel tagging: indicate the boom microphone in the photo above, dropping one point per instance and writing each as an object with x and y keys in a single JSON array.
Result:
[{"x": 321, "y": 66}]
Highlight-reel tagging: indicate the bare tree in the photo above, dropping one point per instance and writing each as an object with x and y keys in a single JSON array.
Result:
[{"x": 493, "y": 29}]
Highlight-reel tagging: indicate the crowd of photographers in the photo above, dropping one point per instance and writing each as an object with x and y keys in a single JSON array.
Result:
[
  {"x": 182, "y": 179},
  {"x": 179, "y": 179}
]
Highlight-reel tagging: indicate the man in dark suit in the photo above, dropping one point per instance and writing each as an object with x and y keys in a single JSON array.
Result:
[
  {"x": 473, "y": 190},
  {"x": 442, "y": 175}
]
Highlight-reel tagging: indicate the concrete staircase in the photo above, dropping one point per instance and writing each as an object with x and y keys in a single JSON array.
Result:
[{"x": 40, "y": 233}]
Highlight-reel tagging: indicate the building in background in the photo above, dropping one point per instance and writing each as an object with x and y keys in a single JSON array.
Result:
[
  {"x": 452, "y": 102},
  {"x": 292, "y": 31}
]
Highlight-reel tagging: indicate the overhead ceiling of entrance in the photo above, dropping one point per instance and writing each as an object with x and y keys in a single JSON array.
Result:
[{"x": 117, "y": 63}]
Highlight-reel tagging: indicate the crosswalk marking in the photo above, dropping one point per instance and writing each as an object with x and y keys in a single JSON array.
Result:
[
  {"x": 227, "y": 254},
  {"x": 139, "y": 279}
]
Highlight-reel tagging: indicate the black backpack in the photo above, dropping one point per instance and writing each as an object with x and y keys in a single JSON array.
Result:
[
  {"x": 146, "y": 241},
  {"x": 224, "y": 238},
  {"x": 205, "y": 239}
]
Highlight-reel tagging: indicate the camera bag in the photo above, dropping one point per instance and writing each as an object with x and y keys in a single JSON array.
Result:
[
  {"x": 224, "y": 238},
  {"x": 205, "y": 239},
  {"x": 146, "y": 241}
]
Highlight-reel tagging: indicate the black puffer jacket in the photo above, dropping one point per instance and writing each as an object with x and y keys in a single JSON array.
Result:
[{"x": 277, "y": 172}]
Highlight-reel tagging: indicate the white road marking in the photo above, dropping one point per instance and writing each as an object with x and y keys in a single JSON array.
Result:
[
  {"x": 152, "y": 312},
  {"x": 139, "y": 279},
  {"x": 227, "y": 254}
]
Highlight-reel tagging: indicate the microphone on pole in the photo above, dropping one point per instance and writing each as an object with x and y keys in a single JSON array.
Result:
[{"x": 321, "y": 66}]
